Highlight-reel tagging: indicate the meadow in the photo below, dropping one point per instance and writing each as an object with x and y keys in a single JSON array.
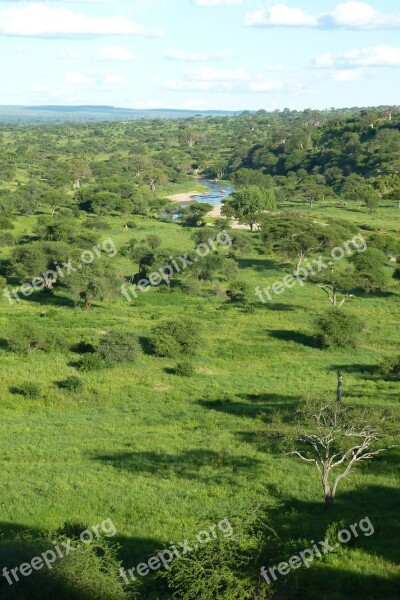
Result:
[{"x": 164, "y": 455}]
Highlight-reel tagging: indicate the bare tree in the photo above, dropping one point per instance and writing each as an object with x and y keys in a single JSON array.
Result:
[{"x": 336, "y": 440}]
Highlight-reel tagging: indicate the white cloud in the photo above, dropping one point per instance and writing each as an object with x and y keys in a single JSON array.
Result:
[
  {"x": 377, "y": 56},
  {"x": 69, "y": 54},
  {"x": 347, "y": 75},
  {"x": 280, "y": 15},
  {"x": 75, "y": 78},
  {"x": 114, "y": 53},
  {"x": 347, "y": 15},
  {"x": 269, "y": 85},
  {"x": 114, "y": 79},
  {"x": 218, "y": 2},
  {"x": 207, "y": 74},
  {"x": 212, "y": 80},
  {"x": 183, "y": 55},
  {"x": 39, "y": 20}
]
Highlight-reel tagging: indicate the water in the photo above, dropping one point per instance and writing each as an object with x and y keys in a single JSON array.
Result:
[{"x": 217, "y": 192}]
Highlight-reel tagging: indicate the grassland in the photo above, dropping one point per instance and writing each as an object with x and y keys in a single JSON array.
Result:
[{"x": 159, "y": 453}]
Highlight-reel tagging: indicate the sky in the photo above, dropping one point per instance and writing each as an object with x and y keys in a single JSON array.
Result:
[{"x": 200, "y": 54}]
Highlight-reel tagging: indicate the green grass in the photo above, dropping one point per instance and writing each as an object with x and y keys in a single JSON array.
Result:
[{"x": 160, "y": 454}]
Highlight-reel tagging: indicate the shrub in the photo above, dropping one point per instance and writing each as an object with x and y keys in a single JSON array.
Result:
[
  {"x": 390, "y": 367},
  {"x": 91, "y": 362},
  {"x": 131, "y": 225},
  {"x": 27, "y": 337},
  {"x": 88, "y": 571},
  {"x": 71, "y": 384},
  {"x": 171, "y": 338},
  {"x": 333, "y": 531},
  {"x": 120, "y": 346},
  {"x": 29, "y": 389},
  {"x": 72, "y": 530},
  {"x": 6, "y": 223},
  {"x": 6, "y": 239},
  {"x": 185, "y": 369},
  {"x": 336, "y": 329},
  {"x": 238, "y": 291}
]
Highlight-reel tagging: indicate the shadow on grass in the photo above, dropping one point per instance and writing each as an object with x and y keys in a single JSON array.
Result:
[
  {"x": 200, "y": 465},
  {"x": 49, "y": 299},
  {"x": 258, "y": 264},
  {"x": 254, "y": 404},
  {"x": 294, "y": 336}
]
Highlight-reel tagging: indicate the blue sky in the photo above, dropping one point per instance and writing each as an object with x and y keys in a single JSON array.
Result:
[{"x": 200, "y": 54}]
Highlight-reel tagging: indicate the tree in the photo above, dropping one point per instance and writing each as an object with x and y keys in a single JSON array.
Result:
[
  {"x": 249, "y": 203},
  {"x": 337, "y": 439},
  {"x": 336, "y": 329},
  {"x": 335, "y": 282},
  {"x": 369, "y": 268},
  {"x": 193, "y": 215},
  {"x": 97, "y": 281}
]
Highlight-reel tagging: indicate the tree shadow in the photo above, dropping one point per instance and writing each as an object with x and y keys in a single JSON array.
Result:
[
  {"x": 258, "y": 264},
  {"x": 46, "y": 299},
  {"x": 254, "y": 404},
  {"x": 294, "y": 336},
  {"x": 197, "y": 465}
]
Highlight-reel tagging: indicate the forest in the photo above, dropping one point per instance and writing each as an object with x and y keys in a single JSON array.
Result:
[{"x": 200, "y": 399}]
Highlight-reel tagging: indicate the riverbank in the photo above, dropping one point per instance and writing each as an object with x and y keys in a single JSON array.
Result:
[{"x": 184, "y": 198}]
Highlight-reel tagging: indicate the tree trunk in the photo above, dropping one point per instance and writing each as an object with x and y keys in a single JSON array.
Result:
[
  {"x": 328, "y": 501},
  {"x": 339, "y": 388},
  {"x": 298, "y": 263}
]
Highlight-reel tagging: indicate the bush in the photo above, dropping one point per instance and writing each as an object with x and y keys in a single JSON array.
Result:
[
  {"x": 131, "y": 225},
  {"x": 27, "y": 337},
  {"x": 333, "y": 531},
  {"x": 185, "y": 369},
  {"x": 6, "y": 223},
  {"x": 91, "y": 362},
  {"x": 120, "y": 346},
  {"x": 72, "y": 530},
  {"x": 87, "y": 571},
  {"x": 71, "y": 384},
  {"x": 172, "y": 338},
  {"x": 390, "y": 367},
  {"x": 336, "y": 329},
  {"x": 29, "y": 390},
  {"x": 6, "y": 239},
  {"x": 238, "y": 291}
]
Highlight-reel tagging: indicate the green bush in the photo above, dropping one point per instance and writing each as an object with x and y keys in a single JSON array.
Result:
[
  {"x": 131, "y": 225},
  {"x": 26, "y": 337},
  {"x": 332, "y": 534},
  {"x": 91, "y": 362},
  {"x": 172, "y": 338},
  {"x": 185, "y": 369},
  {"x": 120, "y": 346},
  {"x": 88, "y": 571},
  {"x": 390, "y": 367},
  {"x": 71, "y": 384},
  {"x": 238, "y": 291},
  {"x": 337, "y": 329},
  {"x": 6, "y": 239},
  {"x": 6, "y": 223},
  {"x": 29, "y": 389}
]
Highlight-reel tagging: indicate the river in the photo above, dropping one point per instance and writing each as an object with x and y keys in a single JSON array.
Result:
[{"x": 217, "y": 192}]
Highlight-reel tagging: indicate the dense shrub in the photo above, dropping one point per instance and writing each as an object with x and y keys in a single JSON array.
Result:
[
  {"x": 390, "y": 367},
  {"x": 333, "y": 531},
  {"x": 6, "y": 223},
  {"x": 185, "y": 369},
  {"x": 87, "y": 572},
  {"x": 6, "y": 239},
  {"x": 26, "y": 337},
  {"x": 29, "y": 389},
  {"x": 120, "y": 346},
  {"x": 238, "y": 291},
  {"x": 337, "y": 329},
  {"x": 71, "y": 384},
  {"x": 171, "y": 338},
  {"x": 91, "y": 362}
]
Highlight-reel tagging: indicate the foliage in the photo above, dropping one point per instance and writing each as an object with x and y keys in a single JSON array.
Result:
[
  {"x": 390, "y": 367},
  {"x": 119, "y": 346},
  {"x": 173, "y": 337},
  {"x": 72, "y": 384},
  {"x": 29, "y": 389},
  {"x": 337, "y": 329},
  {"x": 185, "y": 369}
]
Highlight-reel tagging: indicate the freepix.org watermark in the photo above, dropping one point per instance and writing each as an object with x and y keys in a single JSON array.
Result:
[
  {"x": 311, "y": 268},
  {"x": 165, "y": 558},
  {"x": 177, "y": 265},
  {"x": 49, "y": 278},
  {"x": 60, "y": 550},
  {"x": 307, "y": 556}
]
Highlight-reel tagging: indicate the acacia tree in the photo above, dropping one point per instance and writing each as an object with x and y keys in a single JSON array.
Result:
[
  {"x": 334, "y": 283},
  {"x": 249, "y": 203},
  {"x": 336, "y": 440}
]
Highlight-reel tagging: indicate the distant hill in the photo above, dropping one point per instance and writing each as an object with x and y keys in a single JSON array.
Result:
[{"x": 79, "y": 114}]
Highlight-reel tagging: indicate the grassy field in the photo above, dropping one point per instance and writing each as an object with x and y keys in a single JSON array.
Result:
[{"x": 159, "y": 453}]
